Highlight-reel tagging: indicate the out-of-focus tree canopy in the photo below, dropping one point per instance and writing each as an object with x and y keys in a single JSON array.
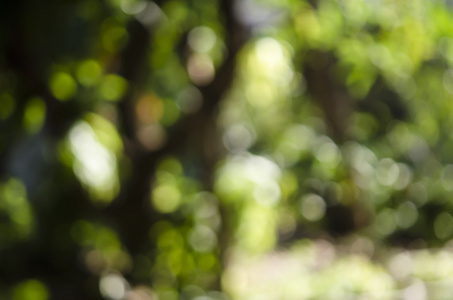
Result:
[{"x": 220, "y": 149}]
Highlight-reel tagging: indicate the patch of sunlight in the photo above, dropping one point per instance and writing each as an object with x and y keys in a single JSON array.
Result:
[
  {"x": 106, "y": 133},
  {"x": 113, "y": 286},
  {"x": 273, "y": 60},
  {"x": 259, "y": 169},
  {"x": 94, "y": 164},
  {"x": 355, "y": 274},
  {"x": 246, "y": 175},
  {"x": 432, "y": 264},
  {"x": 269, "y": 51},
  {"x": 312, "y": 270},
  {"x": 401, "y": 265}
]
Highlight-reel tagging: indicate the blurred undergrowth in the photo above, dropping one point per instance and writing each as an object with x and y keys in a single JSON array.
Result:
[{"x": 226, "y": 149}]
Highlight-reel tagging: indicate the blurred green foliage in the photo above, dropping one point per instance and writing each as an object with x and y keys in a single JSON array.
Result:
[{"x": 226, "y": 149}]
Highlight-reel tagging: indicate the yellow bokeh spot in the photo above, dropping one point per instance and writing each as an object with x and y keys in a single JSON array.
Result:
[
  {"x": 166, "y": 198},
  {"x": 113, "y": 87},
  {"x": 63, "y": 86},
  {"x": 34, "y": 116},
  {"x": 171, "y": 165},
  {"x": 14, "y": 204},
  {"x": 88, "y": 72},
  {"x": 30, "y": 290}
]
